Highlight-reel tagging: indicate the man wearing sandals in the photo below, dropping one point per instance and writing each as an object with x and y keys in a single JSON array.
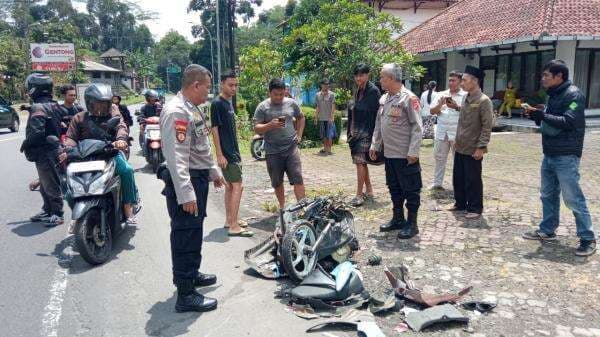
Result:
[
  {"x": 398, "y": 128},
  {"x": 224, "y": 132},
  {"x": 274, "y": 118}
]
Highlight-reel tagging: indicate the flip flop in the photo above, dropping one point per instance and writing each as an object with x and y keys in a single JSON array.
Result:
[
  {"x": 241, "y": 223},
  {"x": 244, "y": 234}
]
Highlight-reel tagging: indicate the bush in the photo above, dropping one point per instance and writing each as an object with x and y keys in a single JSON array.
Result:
[{"x": 311, "y": 131}]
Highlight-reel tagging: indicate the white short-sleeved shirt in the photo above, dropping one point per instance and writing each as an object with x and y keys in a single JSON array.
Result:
[
  {"x": 447, "y": 121},
  {"x": 426, "y": 107}
]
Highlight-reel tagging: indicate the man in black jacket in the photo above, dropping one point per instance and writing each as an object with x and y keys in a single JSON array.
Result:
[
  {"x": 44, "y": 120},
  {"x": 562, "y": 124}
]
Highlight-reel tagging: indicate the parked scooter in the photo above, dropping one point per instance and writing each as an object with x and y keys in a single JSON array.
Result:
[
  {"x": 257, "y": 147},
  {"x": 93, "y": 191}
]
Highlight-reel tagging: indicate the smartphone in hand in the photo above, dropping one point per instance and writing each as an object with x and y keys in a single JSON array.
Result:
[{"x": 527, "y": 107}]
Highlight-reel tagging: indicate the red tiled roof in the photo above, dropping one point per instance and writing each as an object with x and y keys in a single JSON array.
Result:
[{"x": 473, "y": 22}]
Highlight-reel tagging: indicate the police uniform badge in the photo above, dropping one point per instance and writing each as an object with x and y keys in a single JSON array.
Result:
[{"x": 181, "y": 130}]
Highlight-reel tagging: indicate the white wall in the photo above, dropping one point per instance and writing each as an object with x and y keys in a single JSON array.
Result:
[
  {"x": 565, "y": 50},
  {"x": 410, "y": 19}
]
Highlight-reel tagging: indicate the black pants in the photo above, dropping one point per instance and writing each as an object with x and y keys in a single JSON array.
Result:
[
  {"x": 49, "y": 185},
  {"x": 187, "y": 229},
  {"x": 468, "y": 185},
  {"x": 404, "y": 182}
]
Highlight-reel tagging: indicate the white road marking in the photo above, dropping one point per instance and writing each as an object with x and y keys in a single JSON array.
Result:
[
  {"x": 9, "y": 139},
  {"x": 58, "y": 287}
]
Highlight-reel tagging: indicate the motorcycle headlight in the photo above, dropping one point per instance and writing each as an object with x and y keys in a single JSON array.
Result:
[
  {"x": 97, "y": 186},
  {"x": 76, "y": 187}
]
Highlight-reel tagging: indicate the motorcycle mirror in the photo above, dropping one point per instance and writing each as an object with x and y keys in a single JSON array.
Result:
[
  {"x": 137, "y": 112},
  {"x": 52, "y": 139}
]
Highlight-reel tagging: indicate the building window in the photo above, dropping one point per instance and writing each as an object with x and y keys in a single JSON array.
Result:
[
  {"x": 96, "y": 74},
  {"x": 523, "y": 70},
  {"x": 434, "y": 71}
]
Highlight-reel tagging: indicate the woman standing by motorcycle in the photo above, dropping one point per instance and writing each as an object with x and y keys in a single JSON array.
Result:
[{"x": 92, "y": 124}]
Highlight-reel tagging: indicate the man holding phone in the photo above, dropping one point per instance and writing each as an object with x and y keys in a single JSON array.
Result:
[
  {"x": 447, "y": 110},
  {"x": 562, "y": 124},
  {"x": 472, "y": 137},
  {"x": 274, "y": 118}
]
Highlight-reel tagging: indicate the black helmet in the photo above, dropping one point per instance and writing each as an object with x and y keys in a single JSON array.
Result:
[
  {"x": 150, "y": 93},
  {"x": 98, "y": 92},
  {"x": 39, "y": 85}
]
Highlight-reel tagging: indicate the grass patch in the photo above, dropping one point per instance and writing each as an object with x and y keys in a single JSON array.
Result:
[
  {"x": 270, "y": 206},
  {"x": 133, "y": 99}
]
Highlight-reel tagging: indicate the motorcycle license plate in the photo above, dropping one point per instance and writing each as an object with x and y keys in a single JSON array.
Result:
[
  {"x": 87, "y": 166},
  {"x": 154, "y": 134}
]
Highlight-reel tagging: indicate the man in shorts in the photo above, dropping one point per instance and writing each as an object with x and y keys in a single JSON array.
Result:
[
  {"x": 224, "y": 131},
  {"x": 274, "y": 118},
  {"x": 325, "y": 100}
]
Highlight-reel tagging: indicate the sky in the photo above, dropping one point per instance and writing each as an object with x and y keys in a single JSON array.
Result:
[{"x": 172, "y": 14}]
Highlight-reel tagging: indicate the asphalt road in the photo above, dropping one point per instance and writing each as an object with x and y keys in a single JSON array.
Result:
[{"x": 46, "y": 289}]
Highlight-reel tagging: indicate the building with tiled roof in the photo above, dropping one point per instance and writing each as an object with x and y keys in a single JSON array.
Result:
[
  {"x": 411, "y": 12},
  {"x": 511, "y": 40}
]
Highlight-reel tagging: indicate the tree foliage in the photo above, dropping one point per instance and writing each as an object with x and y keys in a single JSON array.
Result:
[
  {"x": 329, "y": 38},
  {"x": 258, "y": 65}
]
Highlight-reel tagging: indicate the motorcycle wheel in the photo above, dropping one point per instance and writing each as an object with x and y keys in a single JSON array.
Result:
[
  {"x": 93, "y": 246},
  {"x": 296, "y": 262},
  {"x": 257, "y": 149},
  {"x": 155, "y": 160}
]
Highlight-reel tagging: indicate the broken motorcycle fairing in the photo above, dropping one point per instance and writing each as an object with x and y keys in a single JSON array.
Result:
[
  {"x": 263, "y": 259},
  {"x": 403, "y": 287},
  {"x": 439, "y": 314},
  {"x": 320, "y": 285}
]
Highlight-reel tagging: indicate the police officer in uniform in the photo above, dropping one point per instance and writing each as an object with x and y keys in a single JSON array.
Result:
[
  {"x": 398, "y": 132},
  {"x": 190, "y": 169},
  {"x": 44, "y": 120}
]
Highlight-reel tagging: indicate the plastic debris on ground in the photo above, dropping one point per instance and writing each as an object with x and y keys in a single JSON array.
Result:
[{"x": 438, "y": 314}]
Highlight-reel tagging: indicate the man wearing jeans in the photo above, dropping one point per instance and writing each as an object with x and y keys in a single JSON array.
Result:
[
  {"x": 562, "y": 124},
  {"x": 274, "y": 118},
  {"x": 447, "y": 110}
]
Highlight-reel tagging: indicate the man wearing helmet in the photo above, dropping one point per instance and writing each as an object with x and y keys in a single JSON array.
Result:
[
  {"x": 44, "y": 120},
  {"x": 152, "y": 108},
  {"x": 92, "y": 124}
]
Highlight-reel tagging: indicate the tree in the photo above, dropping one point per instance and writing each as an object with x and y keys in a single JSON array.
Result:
[
  {"x": 263, "y": 29},
  {"x": 329, "y": 38},
  {"x": 172, "y": 49},
  {"x": 142, "y": 39},
  {"x": 258, "y": 65},
  {"x": 143, "y": 65},
  {"x": 207, "y": 9}
]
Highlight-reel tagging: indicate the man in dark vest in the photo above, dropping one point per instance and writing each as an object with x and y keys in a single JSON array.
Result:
[{"x": 44, "y": 120}]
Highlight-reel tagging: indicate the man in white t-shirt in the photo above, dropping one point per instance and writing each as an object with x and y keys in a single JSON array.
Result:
[{"x": 447, "y": 108}]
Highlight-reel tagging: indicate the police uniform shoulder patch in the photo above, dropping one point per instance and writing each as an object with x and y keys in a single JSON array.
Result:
[
  {"x": 416, "y": 104},
  {"x": 181, "y": 126}
]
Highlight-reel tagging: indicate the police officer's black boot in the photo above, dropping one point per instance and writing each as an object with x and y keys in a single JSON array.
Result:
[
  {"x": 188, "y": 299},
  {"x": 397, "y": 221},
  {"x": 411, "y": 229},
  {"x": 204, "y": 280}
]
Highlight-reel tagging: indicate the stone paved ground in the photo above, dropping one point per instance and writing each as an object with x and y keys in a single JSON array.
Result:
[{"x": 541, "y": 289}]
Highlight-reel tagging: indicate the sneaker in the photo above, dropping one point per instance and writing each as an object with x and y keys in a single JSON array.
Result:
[
  {"x": 539, "y": 235},
  {"x": 357, "y": 201},
  {"x": 54, "y": 220},
  {"x": 41, "y": 216},
  {"x": 586, "y": 248}
]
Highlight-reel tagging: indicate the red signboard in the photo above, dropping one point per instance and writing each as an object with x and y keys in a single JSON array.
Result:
[{"x": 52, "y": 66}]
